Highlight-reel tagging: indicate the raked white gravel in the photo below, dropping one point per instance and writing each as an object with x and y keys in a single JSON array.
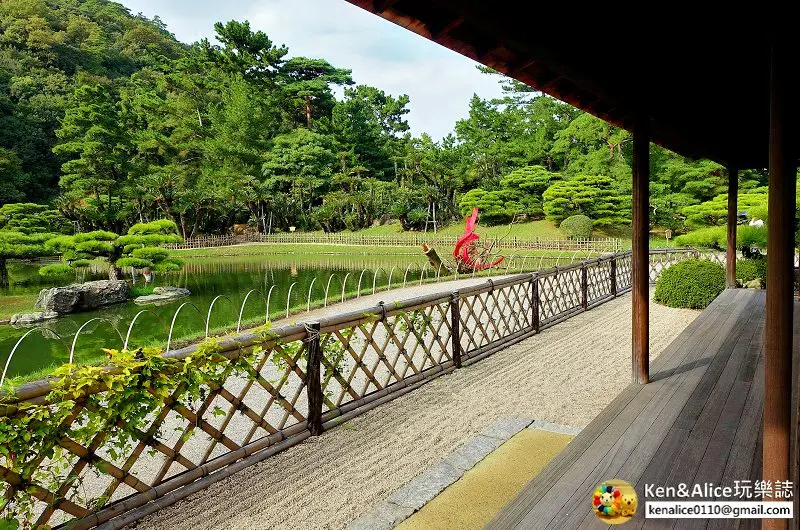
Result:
[{"x": 565, "y": 375}]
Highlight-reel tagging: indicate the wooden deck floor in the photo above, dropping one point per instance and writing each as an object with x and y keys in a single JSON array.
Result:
[{"x": 699, "y": 420}]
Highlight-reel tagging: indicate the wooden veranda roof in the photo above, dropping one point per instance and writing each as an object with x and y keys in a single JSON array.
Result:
[{"x": 702, "y": 85}]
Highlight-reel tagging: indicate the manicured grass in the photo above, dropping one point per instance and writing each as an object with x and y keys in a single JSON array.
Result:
[
  {"x": 17, "y": 304},
  {"x": 261, "y": 249},
  {"x": 527, "y": 230},
  {"x": 267, "y": 249}
]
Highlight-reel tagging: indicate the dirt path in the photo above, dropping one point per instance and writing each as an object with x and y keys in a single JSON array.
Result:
[{"x": 565, "y": 375}]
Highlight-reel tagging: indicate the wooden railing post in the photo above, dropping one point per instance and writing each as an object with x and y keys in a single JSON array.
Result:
[
  {"x": 314, "y": 379},
  {"x": 535, "y": 301},
  {"x": 613, "y": 276},
  {"x": 584, "y": 287},
  {"x": 455, "y": 327}
]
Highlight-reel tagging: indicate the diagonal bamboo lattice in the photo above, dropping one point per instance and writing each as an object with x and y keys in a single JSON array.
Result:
[{"x": 272, "y": 393}]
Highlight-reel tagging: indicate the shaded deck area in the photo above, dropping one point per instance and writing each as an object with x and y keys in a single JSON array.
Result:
[{"x": 698, "y": 421}]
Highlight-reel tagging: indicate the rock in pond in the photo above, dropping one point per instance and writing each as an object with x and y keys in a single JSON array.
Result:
[
  {"x": 83, "y": 296},
  {"x": 163, "y": 295},
  {"x": 172, "y": 291},
  {"x": 27, "y": 319}
]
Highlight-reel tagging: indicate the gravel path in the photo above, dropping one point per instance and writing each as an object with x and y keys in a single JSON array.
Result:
[{"x": 565, "y": 375}]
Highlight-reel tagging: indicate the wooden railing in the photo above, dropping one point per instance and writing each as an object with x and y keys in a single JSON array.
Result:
[
  {"x": 299, "y": 381},
  {"x": 403, "y": 240}
]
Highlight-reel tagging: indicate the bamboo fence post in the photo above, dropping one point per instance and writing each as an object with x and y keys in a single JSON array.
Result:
[
  {"x": 535, "y": 300},
  {"x": 314, "y": 379},
  {"x": 455, "y": 328},
  {"x": 584, "y": 287},
  {"x": 613, "y": 276}
]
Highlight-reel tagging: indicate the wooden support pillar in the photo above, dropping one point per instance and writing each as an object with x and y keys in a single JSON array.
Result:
[
  {"x": 640, "y": 276},
  {"x": 733, "y": 210},
  {"x": 777, "y": 453}
]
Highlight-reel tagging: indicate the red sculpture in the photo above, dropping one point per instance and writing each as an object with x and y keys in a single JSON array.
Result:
[{"x": 467, "y": 255}]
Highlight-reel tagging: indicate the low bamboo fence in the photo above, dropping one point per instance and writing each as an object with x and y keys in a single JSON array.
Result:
[
  {"x": 378, "y": 355},
  {"x": 402, "y": 240}
]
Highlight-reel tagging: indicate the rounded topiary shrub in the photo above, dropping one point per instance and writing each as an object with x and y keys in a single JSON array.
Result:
[
  {"x": 577, "y": 226},
  {"x": 692, "y": 283},
  {"x": 749, "y": 269}
]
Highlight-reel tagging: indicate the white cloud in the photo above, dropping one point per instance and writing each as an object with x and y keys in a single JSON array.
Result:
[{"x": 440, "y": 82}]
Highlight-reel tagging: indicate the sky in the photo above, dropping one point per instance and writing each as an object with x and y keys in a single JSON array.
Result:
[{"x": 439, "y": 81}]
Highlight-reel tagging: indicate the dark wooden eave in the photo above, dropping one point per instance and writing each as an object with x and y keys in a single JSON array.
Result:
[{"x": 701, "y": 84}]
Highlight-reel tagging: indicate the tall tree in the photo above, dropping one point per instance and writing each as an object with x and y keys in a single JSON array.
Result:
[
  {"x": 307, "y": 85},
  {"x": 93, "y": 136}
]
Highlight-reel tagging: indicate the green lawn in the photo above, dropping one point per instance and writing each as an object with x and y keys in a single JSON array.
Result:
[
  {"x": 267, "y": 249},
  {"x": 526, "y": 230}
]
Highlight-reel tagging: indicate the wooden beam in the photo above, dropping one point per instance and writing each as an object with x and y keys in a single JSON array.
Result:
[
  {"x": 733, "y": 210},
  {"x": 450, "y": 26},
  {"x": 640, "y": 280},
  {"x": 380, "y": 6},
  {"x": 777, "y": 453}
]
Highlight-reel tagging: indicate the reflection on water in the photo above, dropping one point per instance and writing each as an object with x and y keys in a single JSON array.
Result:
[{"x": 228, "y": 280}]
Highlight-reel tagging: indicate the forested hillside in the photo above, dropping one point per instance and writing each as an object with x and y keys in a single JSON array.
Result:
[{"x": 104, "y": 115}]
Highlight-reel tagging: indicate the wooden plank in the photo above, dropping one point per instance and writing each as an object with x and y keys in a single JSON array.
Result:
[
  {"x": 546, "y": 510},
  {"x": 742, "y": 451},
  {"x": 669, "y": 360},
  {"x": 631, "y": 466},
  {"x": 691, "y": 426},
  {"x": 718, "y": 450}
]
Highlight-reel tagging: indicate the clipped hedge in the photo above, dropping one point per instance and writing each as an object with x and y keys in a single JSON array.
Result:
[
  {"x": 576, "y": 226},
  {"x": 692, "y": 284},
  {"x": 750, "y": 269}
]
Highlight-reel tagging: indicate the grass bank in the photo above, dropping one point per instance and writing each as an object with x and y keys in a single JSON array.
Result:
[{"x": 267, "y": 249}]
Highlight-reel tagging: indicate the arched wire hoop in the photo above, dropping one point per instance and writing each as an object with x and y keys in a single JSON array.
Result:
[
  {"x": 269, "y": 299},
  {"x": 405, "y": 276},
  {"x": 391, "y": 273},
  {"x": 77, "y": 334},
  {"x": 308, "y": 298},
  {"x": 358, "y": 292},
  {"x": 14, "y": 349},
  {"x": 135, "y": 318},
  {"x": 328, "y": 286},
  {"x": 214, "y": 301},
  {"x": 375, "y": 278},
  {"x": 175, "y": 316},
  {"x": 422, "y": 273},
  {"x": 244, "y": 302},
  {"x": 344, "y": 286},
  {"x": 289, "y": 297}
]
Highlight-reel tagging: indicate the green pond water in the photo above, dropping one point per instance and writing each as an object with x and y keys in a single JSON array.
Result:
[{"x": 207, "y": 278}]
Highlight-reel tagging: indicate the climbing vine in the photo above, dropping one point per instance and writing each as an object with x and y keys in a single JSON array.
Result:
[
  {"x": 102, "y": 413},
  {"x": 112, "y": 407}
]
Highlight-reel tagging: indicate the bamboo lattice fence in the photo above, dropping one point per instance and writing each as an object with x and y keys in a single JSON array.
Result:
[
  {"x": 304, "y": 379},
  {"x": 403, "y": 240}
]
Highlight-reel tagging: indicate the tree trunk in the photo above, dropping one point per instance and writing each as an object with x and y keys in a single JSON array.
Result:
[
  {"x": 3, "y": 273},
  {"x": 114, "y": 272},
  {"x": 308, "y": 111}
]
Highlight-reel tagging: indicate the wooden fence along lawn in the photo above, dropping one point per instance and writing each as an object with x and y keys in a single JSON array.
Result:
[
  {"x": 202, "y": 413},
  {"x": 404, "y": 240}
]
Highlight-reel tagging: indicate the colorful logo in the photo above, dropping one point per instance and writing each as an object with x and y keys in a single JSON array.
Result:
[{"x": 614, "y": 501}]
